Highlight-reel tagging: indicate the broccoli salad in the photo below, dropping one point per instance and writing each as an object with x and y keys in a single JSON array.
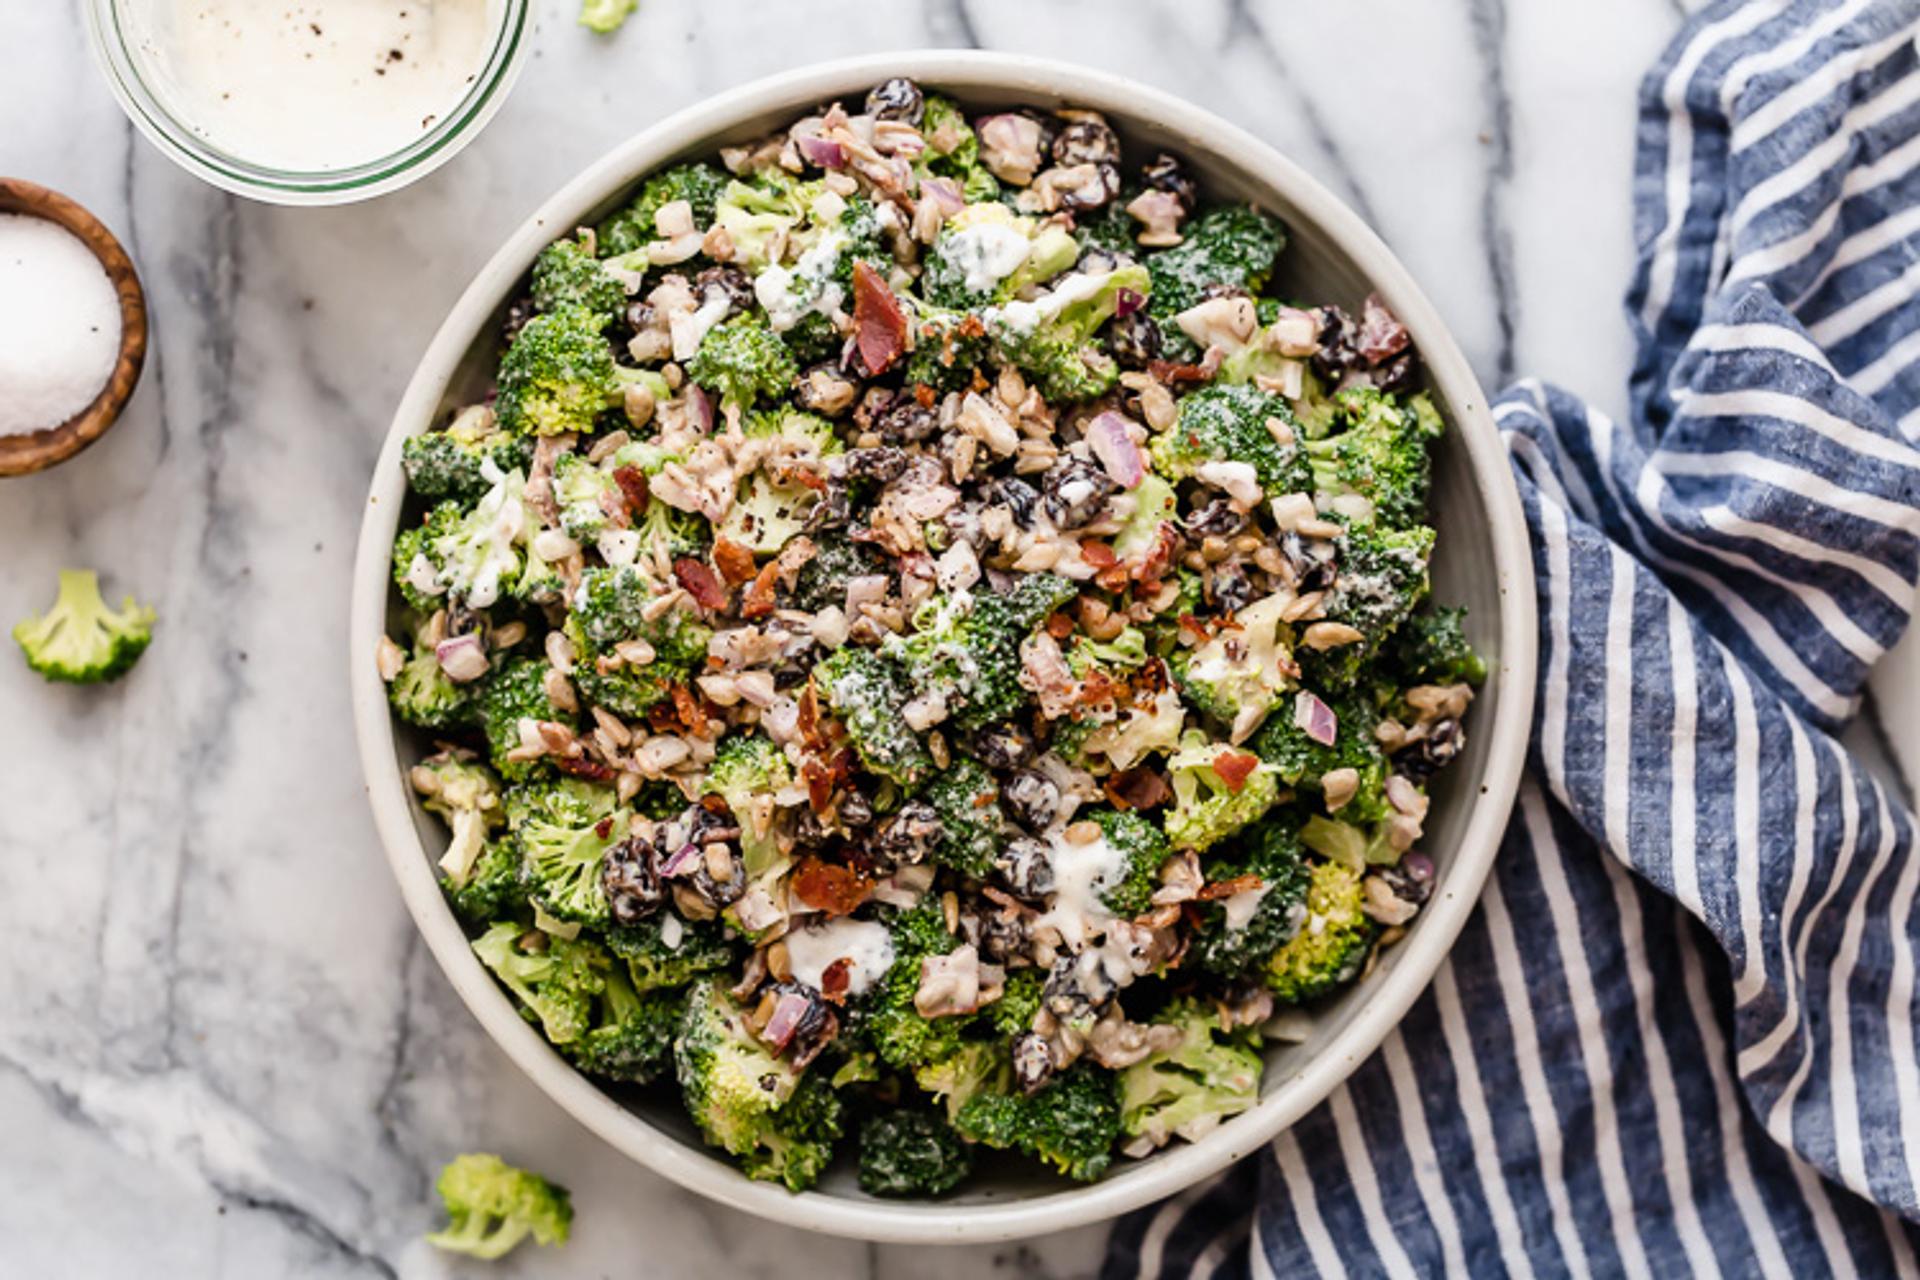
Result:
[{"x": 925, "y": 650}]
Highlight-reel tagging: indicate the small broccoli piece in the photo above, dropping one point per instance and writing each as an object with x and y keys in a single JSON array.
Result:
[
  {"x": 971, "y": 828},
  {"x": 555, "y": 980},
  {"x": 423, "y": 696},
  {"x": 632, "y": 1035},
  {"x": 492, "y": 890},
  {"x": 1019, "y": 1000},
  {"x": 965, "y": 650},
  {"x": 466, "y": 795},
  {"x": 564, "y": 830},
  {"x": 1071, "y": 1124},
  {"x": 567, "y": 275},
  {"x": 453, "y": 463},
  {"x": 949, "y": 347},
  {"x": 1379, "y": 459},
  {"x": 80, "y": 640},
  {"x": 1207, "y": 808},
  {"x": 911, "y": 1153},
  {"x": 1230, "y": 941},
  {"x": 515, "y": 692},
  {"x": 626, "y": 691},
  {"x": 898, "y": 1032},
  {"x": 1111, "y": 229},
  {"x": 1212, "y": 1075},
  {"x": 611, "y": 607},
  {"x": 415, "y": 572},
  {"x": 1146, "y": 850},
  {"x": 1233, "y": 245},
  {"x": 747, "y": 765},
  {"x": 1223, "y": 423},
  {"x": 1035, "y": 597},
  {"x": 758, "y": 211},
  {"x": 492, "y": 1207},
  {"x": 1329, "y": 949},
  {"x": 979, "y": 257},
  {"x": 472, "y": 556},
  {"x": 768, "y": 512},
  {"x": 632, "y": 227},
  {"x": 1051, "y": 337},
  {"x": 1303, "y": 762},
  {"x": 953, "y": 150},
  {"x": 748, "y": 1102},
  {"x": 559, "y": 374},
  {"x": 743, "y": 360},
  {"x": 1381, "y": 577},
  {"x": 867, "y": 694},
  {"x": 836, "y": 560},
  {"x": 580, "y": 488},
  {"x": 1237, "y": 676},
  {"x": 1155, "y": 507},
  {"x": 1431, "y": 648},
  {"x": 657, "y": 964},
  {"x": 604, "y": 17},
  {"x": 975, "y": 1066},
  {"x": 669, "y": 533}
]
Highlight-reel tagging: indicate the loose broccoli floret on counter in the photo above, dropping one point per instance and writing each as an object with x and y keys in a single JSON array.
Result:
[
  {"x": 516, "y": 692},
  {"x": 1381, "y": 577},
  {"x": 1071, "y": 1124},
  {"x": 492, "y": 890},
  {"x": 1377, "y": 469},
  {"x": 967, "y": 799},
  {"x": 556, "y": 981},
  {"x": 836, "y": 561},
  {"x": 1238, "y": 675},
  {"x": 611, "y": 607},
  {"x": 80, "y": 640},
  {"x": 632, "y": 1035},
  {"x": 964, "y": 650},
  {"x": 665, "y": 951},
  {"x": 466, "y": 795},
  {"x": 564, "y": 830},
  {"x": 1186, "y": 1092},
  {"x": 748, "y": 1102},
  {"x": 1234, "y": 246},
  {"x": 743, "y": 360},
  {"x": 1225, "y": 424},
  {"x": 902, "y": 1036},
  {"x": 567, "y": 275},
  {"x": 1146, "y": 849},
  {"x": 911, "y": 1153},
  {"x": 582, "y": 491},
  {"x": 453, "y": 463},
  {"x": 987, "y": 253},
  {"x": 1431, "y": 648},
  {"x": 606, "y": 16},
  {"x": 747, "y": 766},
  {"x": 1239, "y": 933},
  {"x": 423, "y": 696},
  {"x": 558, "y": 376},
  {"x": 1302, "y": 761},
  {"x": 632, "y": 228},
  {"x": 867, "y": 695},
  {"x": 492, "y": 1207},
  {"x": 1331, "y": 945},
  {"x": 1209, "y": 805}
]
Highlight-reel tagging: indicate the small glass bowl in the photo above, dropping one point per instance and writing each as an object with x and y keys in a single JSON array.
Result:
[{"x": 113, "y": 41}]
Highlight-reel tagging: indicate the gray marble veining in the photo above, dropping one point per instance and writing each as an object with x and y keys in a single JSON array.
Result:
[{"x": 223, "y": 1051}]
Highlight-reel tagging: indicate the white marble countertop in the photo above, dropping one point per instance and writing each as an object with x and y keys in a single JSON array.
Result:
[{"x": 223, "y": 1051}]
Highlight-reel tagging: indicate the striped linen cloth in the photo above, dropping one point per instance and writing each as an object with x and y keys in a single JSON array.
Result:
[{"x": 1678, "y": 1035}]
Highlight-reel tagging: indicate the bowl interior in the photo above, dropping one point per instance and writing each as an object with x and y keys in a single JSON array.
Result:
[{"x": 1481, "y": 551}]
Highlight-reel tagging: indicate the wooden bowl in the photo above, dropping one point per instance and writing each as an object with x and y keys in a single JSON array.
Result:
[{"x": 37, "y": 450}]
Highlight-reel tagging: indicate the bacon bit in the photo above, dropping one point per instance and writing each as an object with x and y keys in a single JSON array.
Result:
[
  {"x": 1138, "y": 788},
  {"x": 807, "y": 477},
  {"x": 1382, "y": 336},
  {"x": 880, "y": 326},
  {"x": 1227, "y": 888},
  {"x": 923, "y": 395},
  {"x": 1235, "y": 767},
  {"x": 700, "y": 583},
  {"x": 807, "y": 721},
  {"x": 734, "y": 560},
  {"x": 835, "y": 979},
  {"x": 1156, "y": 560},
  {"x": 633, "y": 487},
  {"x": 1112, "y": 578},
  {"x": 1097, "y": 553},
  {"x": 582, "y": 767},
  {"x": 1174, "y": 374},
  {"x": 1060, "y": 626},
  {"x": 663, "y": 717},
  {"x": 829, "y": 888},
  {"x": 819, "y": 780},
  {"x": 1192, "y": 626},
  {"x": 603, "y": 828},
  {"x": 971, "y": 327},
  {"x": 687, "y": 709},
  {"x": 758, "y": 601}
]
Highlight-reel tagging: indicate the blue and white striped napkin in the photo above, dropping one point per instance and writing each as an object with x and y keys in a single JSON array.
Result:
[{"x": 1678, "y": 1036}]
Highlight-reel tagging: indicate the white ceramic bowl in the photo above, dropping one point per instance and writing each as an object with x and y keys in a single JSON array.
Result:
[{"x": 1483, "y": 563}]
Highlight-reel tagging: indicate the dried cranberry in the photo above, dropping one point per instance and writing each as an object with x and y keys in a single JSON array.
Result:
[
  {"x": 896, "y": 99},
  {"x": 910, "y": 836},
  {"x": 1017, "y": 496},
  {"x": 1026, "y": 868},
  {"x": 1166, "y": 173},
  {"x": 1217, "y": 519},
  {"x": 519, "y": 311},
  {"x": 1032, "y": 1062},
  {"x": 1076, "y": 492},
  {"x": 906, "y": 421},
  {"x": 1031, "y": 799},
  {"x": 1001, "y": 747},
  {"x": 630, "y": 878},
  {"x": 1086, "y": 142},
  {"x": 1134, "y": 340},
  {"x": 730, "y": 282}
]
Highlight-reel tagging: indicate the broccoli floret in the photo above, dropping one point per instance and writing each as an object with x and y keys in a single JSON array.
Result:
[
  {"x": 415, "y": 572},
  {"x": 516, "y": 692},
  {"x": 80, "y": 640},
  {"x": 1071, "y": 1124},
  {"x": 748, "y": 1102},
  {"x": 987, "y": 253},
  {"x": 611, "y": 607},
  {"x": 743, "y": 360},
  {"x": 672, "y": 534},
  {"x": 1431, "y": 648},
  {"x": 1232, "y": 940},
  {"x": 965, "y": 650},
  {"x": 632, "y": 1035},
  {"x": 566, "y": 275},
  {"x": 564, "y": 830},
  {"x": 1233, "y": 245},
  {"x": 867, "y": 694},
  {"x": 1019, "y": 1000},
  {"x": 492, "y": 891},
  {"x": 492, "y": 1207},
  {"x": 606, "y": 16},
  {"x": 1211, "y": 1075},
  {"x": 1111, "y": 229},
  {"x": 975, "y": 1066},
  {"x": 579, "y": 488},
  {"x": 1379, "y": 459},
  {"x": 632, "y": 227},
  {"x": 1330, "y": 947},
  {"x": 1207, "y": 808},
  {"x": 466, "y": 795},
  {"x": 630, "y": 692},
  {"x": 555, "y": 980},
  {"x": 423, "y": 696},
  {"x": 968, "y": 801},
  {"x": 836, "y": 560},
  {"x": 1237, "y": 676},
  {"x": 1222, "y": 423},
  {"x": 899, "y": 1033},
  {"x": 953, "y": 150},
  {"x": 767, "y": 513},
  {"x": 1035, "y": 597},
  {"x": 559, "y": 374},
  {"x": 948, "y": 348},
  {"x": 1381, "y": 577},
  {"x": 757, "y": 211},
  {"x": 453, "y": 463},
  {"x": 1051, "y": 337},
  {"x": 473, "y": 556},
  {"x": 1155, "y": 506},
  {"x": 1302, "y": 761},
  {"x": 654, "y": 964},
  {"x": 745, "y": 766},
  {"x": 1146, "y": 850},
  {"x": 911, "y": 1153}
]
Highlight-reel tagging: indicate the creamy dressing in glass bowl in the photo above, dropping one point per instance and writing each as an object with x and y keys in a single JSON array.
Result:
[{"x": 310, "y": 101}]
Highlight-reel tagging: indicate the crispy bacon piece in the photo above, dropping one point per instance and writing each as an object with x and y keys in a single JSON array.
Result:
[
  {"x": 633, "y": 487},
  {"x": 1382, "y": 336},
  {"x": 1173, "y": 375},
  {"x": 808, "y": 719},
  {"x": 686, "y": 708},
  {"x": 835, "y": 979},
  {"x": 1097, "y": 553},
  {"x": 829, "y": 888},
  {"x": 1235, "y": 767},
  {"x": 879, "y": 325},
  {"x": 700, "y": 583},
  {"x": 583, "y": 767},
  {"x": 1227, "y": 888},
  {"x": 1138, "y": 788},
  {"x": 1060, "y": 625},
  {"x": 758, "y": 601},
  {"x": 734, "y": 561}
]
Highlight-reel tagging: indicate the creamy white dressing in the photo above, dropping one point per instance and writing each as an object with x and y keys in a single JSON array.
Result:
[
  {"x": 986, "y": 253},
  {"x": 1240, "y": 907},
  {"x": 313, "y": 85},
  {"x": 473, "y": 569},
  {"x": 1081, "y": 874},
  {"x": 689, "y": 328},
  {"x": 790, "y": 296},
  {"x": 864, "y": 945},
  {"x": 1025, "y": 317}
]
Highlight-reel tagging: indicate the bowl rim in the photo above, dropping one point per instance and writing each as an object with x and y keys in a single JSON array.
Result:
[{"x": 1423, "y": 950}]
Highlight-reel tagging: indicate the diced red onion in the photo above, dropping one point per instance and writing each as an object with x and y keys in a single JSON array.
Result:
[
  {"x": 683, "y": 859},
  {"x": 787, "y": 1012},
  {"x": 463, "y": 658},
  {"x": 824, "y": 152},
  {"x": 1111, "y": 441},
  {"x": 1417, "y": 865},
  {"x": 1128, "y": 301},
  {"x": 702, "y": 406},
  {"x": 1315, "y": 718},
  {"x": 945, "y": 193}
]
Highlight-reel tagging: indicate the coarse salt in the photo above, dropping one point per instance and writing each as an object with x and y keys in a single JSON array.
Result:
[{"x": 59, "y": 325}]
